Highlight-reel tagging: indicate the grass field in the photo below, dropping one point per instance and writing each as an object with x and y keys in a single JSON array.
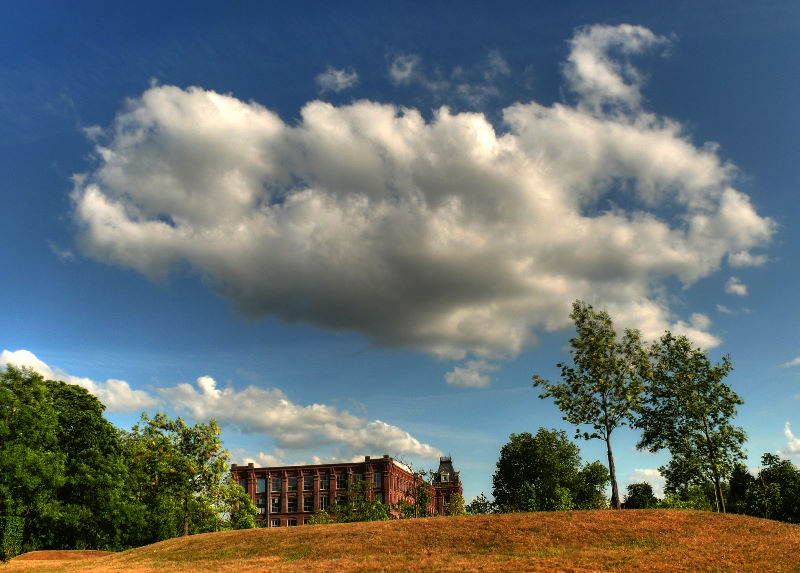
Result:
[{"x": 652, "y": 540}]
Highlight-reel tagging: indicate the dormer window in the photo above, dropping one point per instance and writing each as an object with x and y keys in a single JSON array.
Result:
[{"x": 445, "y": 476}]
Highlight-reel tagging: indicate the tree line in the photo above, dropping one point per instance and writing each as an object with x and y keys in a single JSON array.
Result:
[
  {"x": 69, "y": 479},
  {"x": 675, "y": 396}
]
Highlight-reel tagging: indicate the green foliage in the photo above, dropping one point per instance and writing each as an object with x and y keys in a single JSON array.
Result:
[
  {"x": 322, "y": 517},
  {"x": 543, "y": 473},
  {"x": 603, "y": 388},
  {"x": 31, "y": 462},
  {"x": 481, "y": 506},
  {"x": 688, "y": 410},
  {"x": 11, "y": 531},
  {"x": 358, "y": 505},
  {"x": 177, "y": 472},
  {"x": 693, "y": 497},
  {"x": 775, "y": 492},
  {"x": 234, "y": 503},
  {"x": 640, "y": 496},
  {"x": 456, "y": 505}
]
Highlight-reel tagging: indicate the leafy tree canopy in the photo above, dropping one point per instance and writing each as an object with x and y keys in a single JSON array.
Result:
[{"x": 543, "y": 473}]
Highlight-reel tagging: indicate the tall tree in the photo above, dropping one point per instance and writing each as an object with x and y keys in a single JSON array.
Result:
[
  {"x": 602, "y": 389},
  {"x": 95, "y": 474},
  {"x": 543, "y": 473},
  {"x": 689, "y": 411},
  {"x": 179, "y": 468},
  {"x": 31, "y": 464}
]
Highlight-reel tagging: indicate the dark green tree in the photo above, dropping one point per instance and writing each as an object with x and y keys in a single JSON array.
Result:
[
  {"x": 481, "y": 506},
  {"x": 689, "y": 411},
  {"x": 640, "y": 496},
  {"x": 358, "y": 505},
  {"x": 93, "y": 493},
  {"x": 31, "y": 463},
  {"x": 543, "y": 473},
  {"x": 456, "y": 505},
  {"x": 775, "y": 492},
  {"x": 602, "y": 389}
]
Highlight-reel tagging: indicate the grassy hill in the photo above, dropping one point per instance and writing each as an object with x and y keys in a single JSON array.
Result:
[{"x": 654, "y": 540}]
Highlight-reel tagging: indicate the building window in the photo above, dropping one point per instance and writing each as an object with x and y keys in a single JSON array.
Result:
[
  {"x": 378, "y": 480},
  {"x": 261, "y": 485},
  {"x": 341, "y": 481},
  {"x": 357, "y": 477},
  {"x": 308, "y": 504},
  {"x": 276, "y": 523},
  {"x": 293, "y": 483},
  {"x": 307, "y": 520},
  {"x": 324, "y": 484},
  {"x": 243, "y": 483},
  {"x": 445, "y": 476},
  {"x": 292, "y": 505},
  {"x": 276, "y": 504},
  {"x": 276, "y": 484},
  {"x": 261, "y": 504},
  {"x": 291, "y": 522},
  {"x": 308, "y": 483},
  {"x": 324, "y": 502},
  {"x": 379, "y": 496}
]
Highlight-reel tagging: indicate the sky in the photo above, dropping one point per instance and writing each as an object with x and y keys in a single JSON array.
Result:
[{"x": 348, "y": 229}]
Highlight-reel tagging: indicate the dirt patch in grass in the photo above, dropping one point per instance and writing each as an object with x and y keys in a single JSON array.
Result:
[{"x": 647, "y": 540}]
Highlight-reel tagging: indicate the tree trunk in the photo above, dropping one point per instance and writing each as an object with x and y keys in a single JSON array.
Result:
[
  {"x": 186, "y": 517},
  {"x": 615, "y": 502},
  {"x": 712, "y": 458}
]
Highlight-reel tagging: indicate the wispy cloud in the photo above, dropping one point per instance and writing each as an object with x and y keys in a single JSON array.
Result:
[
  {"x": 791, "y": 363},
  {"x": 334, "y": 80}
]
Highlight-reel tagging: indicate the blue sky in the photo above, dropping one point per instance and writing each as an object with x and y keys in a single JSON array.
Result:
[{"x": 354, "y": 229}]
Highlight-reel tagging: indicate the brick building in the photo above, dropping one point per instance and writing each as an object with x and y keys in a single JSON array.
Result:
[{"x": 291, "y": 495}]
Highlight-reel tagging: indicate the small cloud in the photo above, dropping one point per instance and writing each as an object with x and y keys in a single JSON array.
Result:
[
  {"x": 792, "y": 448},
  {"x": 474, "y": 375},
  {"x": 791, "y": 363},
  {"x": 724, "y": 309},
  {"x": 402, "y": 68},
  {"x": 65, "y": 255},
  {"x": 736, "y": 286},
  {"x": 745, "y": 259},
  {"x": 697, "y": 331},
  {"x": 651, "y": 476},
  {"x": 333, "y": 80}
]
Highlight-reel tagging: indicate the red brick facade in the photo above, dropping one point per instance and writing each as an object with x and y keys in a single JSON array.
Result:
[{"x": 291, "y": 495}]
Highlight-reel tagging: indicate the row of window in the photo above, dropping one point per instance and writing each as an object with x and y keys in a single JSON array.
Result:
[
  {"x": 308, "y": 503},
  {"x": 308, "y": 482}
]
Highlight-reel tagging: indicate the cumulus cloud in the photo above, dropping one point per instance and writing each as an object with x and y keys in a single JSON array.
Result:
[
  {"x": 651, "y": 476},
  {"x": 115, "y": 395},
  {"x": 599, "y": 65},
  {"x": 736, "y": 286},
  {"x": 792, "y": 448},
  {"x": 334, "y": 80},
  {"x": 445, "y": 235},
  {"x": 475, "y": 374},
  {"x": 292, "y": 426}
]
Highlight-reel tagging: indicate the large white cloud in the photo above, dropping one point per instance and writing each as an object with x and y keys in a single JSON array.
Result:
[
  {"x": 291, "y": 426},
  {"x": 445, "y": 235},
  {"x": 115, "y": 395},
  {"x": 792, "y": 447}
]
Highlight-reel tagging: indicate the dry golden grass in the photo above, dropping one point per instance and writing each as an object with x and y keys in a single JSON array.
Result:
[{"x": 653, "y": 540}]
